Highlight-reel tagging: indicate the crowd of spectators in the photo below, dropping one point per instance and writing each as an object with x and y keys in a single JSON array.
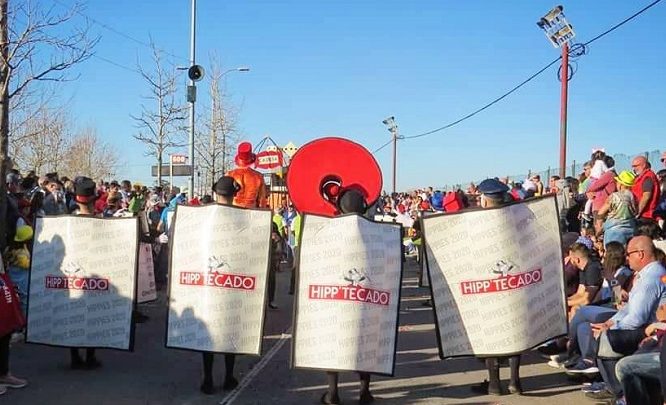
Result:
[{"x": 612, "y": 231}]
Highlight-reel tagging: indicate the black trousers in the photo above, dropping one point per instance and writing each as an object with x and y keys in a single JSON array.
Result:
[
  {"x": 272, "y": 285},
  {"x": 4, "y": 354}
]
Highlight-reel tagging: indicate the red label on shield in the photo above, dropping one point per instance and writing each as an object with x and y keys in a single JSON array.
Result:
[
  {"x": 349, "y": 293},
  {"x": 507, "y": 283}
]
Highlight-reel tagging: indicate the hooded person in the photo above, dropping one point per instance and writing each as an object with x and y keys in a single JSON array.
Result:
[{"x": 252, "y": 192}]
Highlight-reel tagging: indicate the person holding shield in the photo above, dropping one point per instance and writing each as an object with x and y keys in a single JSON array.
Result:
[
  {"x": 85, "y": 191},
  {"x": 350, "y": 202},
  {"x": 495, "y": 194},
  {"x": 225, "y": 190}
]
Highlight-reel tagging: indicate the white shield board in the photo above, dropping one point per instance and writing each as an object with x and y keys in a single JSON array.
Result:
[
  {"x": 146, "y": 279},
  {"x": 346, "y": 312},
  {"x": 83, "y": 282},
  {"x": 220, "y": 257},
  {"x": 497, "y": 278}
]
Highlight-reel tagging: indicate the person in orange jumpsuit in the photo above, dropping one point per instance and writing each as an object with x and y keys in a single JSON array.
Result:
[{"x": 252, "y": 193}]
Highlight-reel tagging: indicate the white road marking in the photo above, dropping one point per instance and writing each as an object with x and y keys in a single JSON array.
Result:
[{"x": 231, "y": 397}]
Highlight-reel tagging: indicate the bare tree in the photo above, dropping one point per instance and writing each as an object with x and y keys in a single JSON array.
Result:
[
  {"x": 41, "y": 140},
  {"x": 159, "y": 122},
  {"x": 89, "y": 156},
  {"x": 218, "y": 137},
  {"x": 37, "y": 44}
]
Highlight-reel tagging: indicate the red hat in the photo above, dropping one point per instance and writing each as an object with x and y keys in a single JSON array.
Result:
[{"x": 244, "y": 156}]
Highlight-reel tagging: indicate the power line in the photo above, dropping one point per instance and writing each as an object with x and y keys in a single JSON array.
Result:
[
  {"x": 626, "y": 20},
  {"x": 495, "y": 101},
  {"x": 524, "y": 82},
  {"x": 118, "y": 32},
  {"x": 383, "y": 146},
  {"x": 116, "y": 64}
]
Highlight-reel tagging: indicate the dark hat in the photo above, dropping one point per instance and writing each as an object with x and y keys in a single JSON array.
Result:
[
  {"x": 226, "y": 186},
  {"x": 352, "y": 201},
  {"x": 493, "y": 188},
  {"x": 84, "y": 188}
]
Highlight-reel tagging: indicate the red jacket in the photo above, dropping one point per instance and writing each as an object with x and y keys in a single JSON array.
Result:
[
  {"x": 637, "y": 190},
  {"x": 602, "y": 187}
]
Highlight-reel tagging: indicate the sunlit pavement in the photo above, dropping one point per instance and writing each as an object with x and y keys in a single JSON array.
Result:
[{"x": 153, "y": 374}]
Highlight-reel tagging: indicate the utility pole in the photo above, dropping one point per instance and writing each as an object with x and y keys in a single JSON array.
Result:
[
  {"x": 192, "y": 92},
  {"x": 393, "y": 129},
  {"x": 564, "y": 99},
  {"x": 560, "y": 33}
]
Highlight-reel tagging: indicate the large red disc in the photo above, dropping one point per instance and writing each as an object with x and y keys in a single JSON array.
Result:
[{"x": 331, "y": 157}]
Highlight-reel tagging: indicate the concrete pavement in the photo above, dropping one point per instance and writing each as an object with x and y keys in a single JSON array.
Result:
[{"x": 153, "y": 374}]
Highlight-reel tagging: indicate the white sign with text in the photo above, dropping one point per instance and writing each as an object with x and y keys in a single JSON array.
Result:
[
  {"x": 82, "y": 282},
  {"x": 497, "y": 278},
  {"x": 219, "y": 270},
  {"x": 350, "y": 270}
]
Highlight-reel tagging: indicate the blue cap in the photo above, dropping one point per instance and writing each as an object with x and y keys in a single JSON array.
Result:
[{"x": 493, "y": 188}]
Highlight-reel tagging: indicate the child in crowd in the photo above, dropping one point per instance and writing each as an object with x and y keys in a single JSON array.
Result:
[
  {"x": 620, "y": 211},
  {"x": 587, "y": 236},
  {"x": 598, "y": 169}
]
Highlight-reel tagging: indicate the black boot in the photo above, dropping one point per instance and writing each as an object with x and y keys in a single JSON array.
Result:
[
  {"x": 331, "y": 396},
  {"x": 207, "y": 386},
  {"x": 230, "y": 382},
  {"x": 514, "y": 385},
  {"x": 77, "y": 362},
  {"x": 365, "y": 396}
]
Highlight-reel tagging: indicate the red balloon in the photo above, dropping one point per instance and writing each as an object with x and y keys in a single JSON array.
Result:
[{"x": 324, "y": 168}]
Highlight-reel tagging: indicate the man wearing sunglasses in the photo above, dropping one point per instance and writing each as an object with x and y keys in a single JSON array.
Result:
[{"x": 648, "y": 290}]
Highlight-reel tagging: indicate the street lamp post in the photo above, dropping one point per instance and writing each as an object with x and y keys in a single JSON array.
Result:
[
  {"x": 393, "y": 129},
  {"x": 560, "y": 33},
  {"x": 192, "y": 91}
]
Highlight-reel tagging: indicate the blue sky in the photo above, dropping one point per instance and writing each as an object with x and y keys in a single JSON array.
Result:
[{"x": 339, "y": 68}]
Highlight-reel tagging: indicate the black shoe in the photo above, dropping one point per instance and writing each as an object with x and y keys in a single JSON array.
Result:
[
  {"x": 272, "y": 306},
  {"x": 208, "y": 388},
  {"x": 93, "y": 363},
  {"x": 603, "y": 395},
  {"x": 230, "y": 383},
  {"x": 485, "y": 388},
  {"x": 327, "y": 400},
  {"x": 366, "y": 398}
]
